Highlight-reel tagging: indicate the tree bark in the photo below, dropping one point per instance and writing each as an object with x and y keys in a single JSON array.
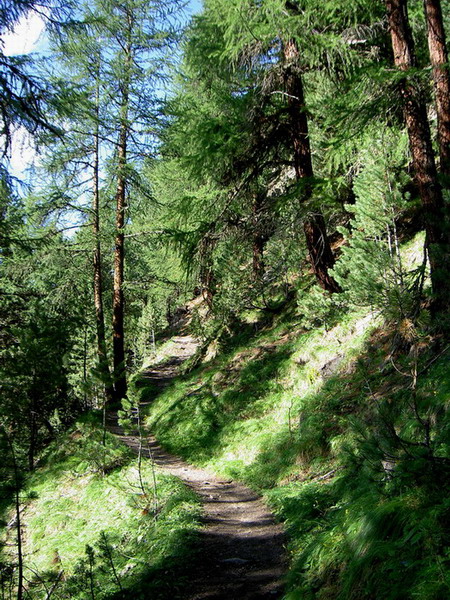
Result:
[
  {"x": 119, "y": 255},
  {"x": 320, "y": 253},
  {"x": 423, "y": 161},
  {"x": 206, "y": 275},
  {"x": 32, "y": 420},
  {"x": 120, "y": 385},
  {"x": 102, "y": 355},
  {"x": 18, "y": 511},
  {"x": 441, "y": 75},
  {"x": 259, "y": 239},
  {"x": 33, "y": 434}
]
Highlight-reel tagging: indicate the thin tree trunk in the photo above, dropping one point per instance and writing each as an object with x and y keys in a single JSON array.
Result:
[
  {"x": 119, "y": 252},
  {"x": 320, "y": 253},
  {"x": 207, "y": 278},
  {"x": 85, "y": 355},
  {"x": 32, "y": 444},
  {"x": 441, "y": 75},
  {"x": 20, "y": 586},
  {"x": 102, "y": 355},
  {"x": 34, "y": 403},
  {"x": 424, "y": 166},
  {"x": 259, "y": 239}
]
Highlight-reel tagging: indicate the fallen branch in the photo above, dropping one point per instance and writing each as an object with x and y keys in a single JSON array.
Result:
[
  {"x": 329, "y": 474},
  {"x": 54, "y": 586}
]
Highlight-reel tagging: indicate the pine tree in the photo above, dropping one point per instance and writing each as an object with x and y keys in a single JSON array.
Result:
[
  {"x": 118, "y": 58},
  {"x": 139, "y": 36},
  {"x": 371, "y": 270},
  {"x": 24, "y": 96},
  {"x": 75, "y": 163},
  {"x": 320, "y": 253}
]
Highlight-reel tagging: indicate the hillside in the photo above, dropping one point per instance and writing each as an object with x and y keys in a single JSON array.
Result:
[
  {"x": 317, "y": 407},
  {"x": 343, "y": 432},
  {"x": 96, "y": 522}
]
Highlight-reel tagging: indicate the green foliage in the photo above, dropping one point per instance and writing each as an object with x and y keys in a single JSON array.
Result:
[
  {"x": 371, "y": 269},
  {"x": 350, "y": 452},
  {"x": 347, "y": 436},
  {"x": 41, "y": 308}
]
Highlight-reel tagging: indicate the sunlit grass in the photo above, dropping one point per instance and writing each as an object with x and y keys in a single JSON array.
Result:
[
  {"x": 147, "y": 529},
  {"x": 294, "y": 410},
  {"x": 239, "y": 413}
]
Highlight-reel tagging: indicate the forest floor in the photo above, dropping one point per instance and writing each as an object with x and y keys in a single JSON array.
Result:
[{"x": 239, "y": 553}]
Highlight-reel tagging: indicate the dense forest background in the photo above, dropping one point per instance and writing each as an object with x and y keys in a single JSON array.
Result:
[{"x": 279, "y": 172}]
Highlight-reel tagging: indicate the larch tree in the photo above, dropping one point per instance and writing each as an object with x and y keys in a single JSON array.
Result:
[
  {"x": 441, "y": 76},
  {"x": 117, "y": 56},
  {"x": 320, "y": 253},
  {"x": 423, "y": 160},
  {"x": 24, "y": 96},
  {"x": 255, "y": 36},
  {"x": 137, "y": 37},
  {"x": 72, "y": 167},
  {"x": 102, "y": 352}
]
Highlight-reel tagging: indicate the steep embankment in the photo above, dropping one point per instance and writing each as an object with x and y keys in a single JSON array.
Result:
[
  {"x": 241, "y": 412},
  {"x": 340, "y": 420},
  {"x": 344, "y": 433}
]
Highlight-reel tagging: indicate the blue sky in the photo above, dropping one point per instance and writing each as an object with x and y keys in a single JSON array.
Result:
[
  {"x": 195, "y": 6},
  {"x": 29, "y": 36}
]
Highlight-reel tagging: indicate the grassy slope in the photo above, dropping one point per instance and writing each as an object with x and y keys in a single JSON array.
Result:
[
  {"x": 82, "y": 489},
  {"x": 304, "y": 416},
  {"x": 237, "y": 412}
]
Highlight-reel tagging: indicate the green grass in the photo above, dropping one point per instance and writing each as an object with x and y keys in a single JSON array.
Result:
[
  {"x": 89, "y": 505},
  {"x": 304, "y": 417},
  {"x": 317, "y": 411},
  {"x": 240, "y": 413}
]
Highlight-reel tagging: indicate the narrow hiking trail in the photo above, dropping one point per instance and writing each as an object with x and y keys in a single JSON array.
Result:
[{"x": 239, "y": 553}]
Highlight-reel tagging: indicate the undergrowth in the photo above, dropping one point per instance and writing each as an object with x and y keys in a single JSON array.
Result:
[{"x": 97, "y": 528}]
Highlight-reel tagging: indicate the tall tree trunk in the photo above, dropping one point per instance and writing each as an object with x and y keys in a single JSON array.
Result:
[
  {"x": 441, "y": 75},
  {"x": 102, "y": 354},
  {"x": 259, "y": 239},
  {"x": 119, "y": 255},
  {"x": 20, "y": 577},
  {"x": 320, "y": 253},
  {"x": 120, "y": 385},
  {"x": 206, "y": 275},
  {"x": 32, "y": 421},
  {"x": 33, "y": 433},
  {"x": 424, "y": 166}
]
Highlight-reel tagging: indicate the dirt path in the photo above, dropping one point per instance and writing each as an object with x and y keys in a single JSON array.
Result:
[{"x": 240, "y": 554}]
